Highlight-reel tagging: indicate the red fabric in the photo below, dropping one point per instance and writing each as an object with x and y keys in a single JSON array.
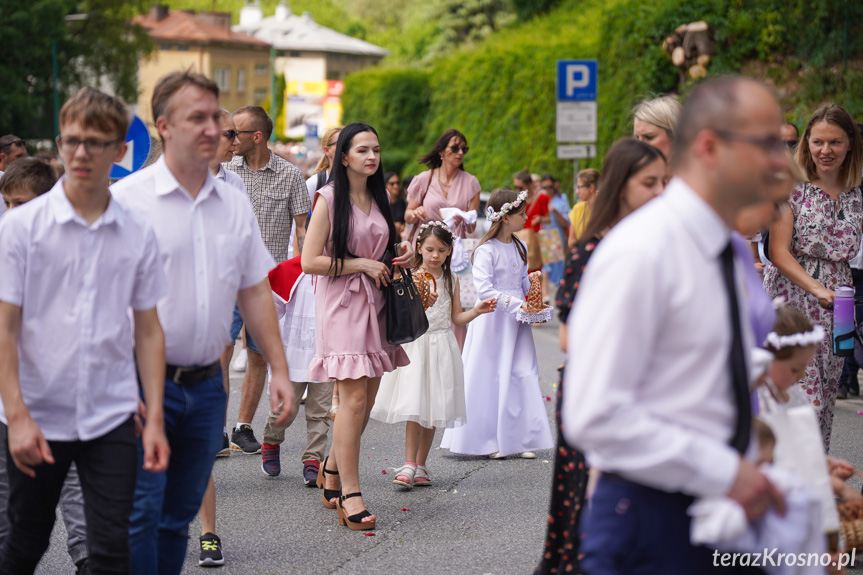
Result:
[
  {"x": 284, "y": 276},
  {"x": 539, "y": 207}
]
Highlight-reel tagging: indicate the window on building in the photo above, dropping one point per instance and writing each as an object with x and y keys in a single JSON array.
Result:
[
  {"x": 182, "y": 48},
  {"x": 164, "y": 47},
  {"x": 295, "y": 54},
  {"x": 261, "y": 69},
  {"x": 222, "y": 76},
  {"x": 260, "y": 95},
  {"x": 241, "y": 80}
]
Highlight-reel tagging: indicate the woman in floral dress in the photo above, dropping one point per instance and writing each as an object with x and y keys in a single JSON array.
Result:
[{"x": 812, "y": 243}]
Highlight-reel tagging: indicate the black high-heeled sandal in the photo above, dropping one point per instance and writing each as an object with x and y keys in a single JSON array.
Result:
[
  {"x": 328, "y": 493},
  {"x": 355, "y": 521}
]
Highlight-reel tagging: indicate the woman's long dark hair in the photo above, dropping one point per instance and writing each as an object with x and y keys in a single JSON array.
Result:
[
  {"x": 342, "y": 220},
  {"x": 433, "y": 158},
  {"x": 625, "y": 158}
]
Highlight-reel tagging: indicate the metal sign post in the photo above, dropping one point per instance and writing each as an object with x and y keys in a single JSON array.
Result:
[{"x": 576, "y": 111}]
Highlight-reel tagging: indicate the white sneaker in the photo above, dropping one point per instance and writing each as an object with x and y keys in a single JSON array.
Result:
[
  {"x": 527, "y": 455},
  {"x": 241, "y": 361},
  {"x": 497, "y": 455}
]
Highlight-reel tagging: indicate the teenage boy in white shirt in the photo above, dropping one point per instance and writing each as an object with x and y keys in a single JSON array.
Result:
[
  {"x": 74, "y": 261},
  {"x": 213, "y": 256}
]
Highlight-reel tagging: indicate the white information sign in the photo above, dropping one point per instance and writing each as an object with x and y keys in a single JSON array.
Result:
[
  {"x": 576, "y": 151},
  {"x": 576, "y": 121}
]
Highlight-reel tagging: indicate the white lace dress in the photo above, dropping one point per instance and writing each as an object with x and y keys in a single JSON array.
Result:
[{"x": 430, "y": 390}]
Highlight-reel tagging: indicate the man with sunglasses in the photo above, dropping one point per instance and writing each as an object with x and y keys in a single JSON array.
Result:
[
  {"x": 280, "y": 200},
  {"x": 12, "y": 149}
]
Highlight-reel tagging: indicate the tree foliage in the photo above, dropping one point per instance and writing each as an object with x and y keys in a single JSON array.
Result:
[{"x": 95, "y": 46}]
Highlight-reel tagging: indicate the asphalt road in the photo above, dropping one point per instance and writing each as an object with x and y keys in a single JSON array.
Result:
[{"x": 479, "y": 516}]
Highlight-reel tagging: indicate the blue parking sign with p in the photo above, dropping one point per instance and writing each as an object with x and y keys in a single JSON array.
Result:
[{"x": 576, "y": 80}]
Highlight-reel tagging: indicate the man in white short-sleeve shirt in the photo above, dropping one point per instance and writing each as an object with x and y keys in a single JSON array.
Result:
[
  {"x": 74, "y": 262},
  {"x": 213, "y": 256},
  {"x": 656, "y": 391}
]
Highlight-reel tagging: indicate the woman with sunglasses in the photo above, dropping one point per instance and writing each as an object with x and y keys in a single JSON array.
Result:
[
  {"x": 812, "y": 243},
  {"x": 444, "y": 185},
  {"x": 397, "y": 200}
]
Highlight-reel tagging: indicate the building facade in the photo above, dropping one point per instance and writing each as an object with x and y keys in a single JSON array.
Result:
[{"x": 203, "y": 42}]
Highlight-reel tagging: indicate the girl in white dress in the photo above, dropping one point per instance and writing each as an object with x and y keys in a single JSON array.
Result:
[
  {"x": 506, "y": 412},
  {"x": 429, "y": 393}
]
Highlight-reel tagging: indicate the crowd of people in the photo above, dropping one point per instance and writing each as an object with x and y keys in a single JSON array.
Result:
[{"x": 675, "y": 406}]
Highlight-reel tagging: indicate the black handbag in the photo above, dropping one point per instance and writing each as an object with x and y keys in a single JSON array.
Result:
[{"x": 406, "y": 318}]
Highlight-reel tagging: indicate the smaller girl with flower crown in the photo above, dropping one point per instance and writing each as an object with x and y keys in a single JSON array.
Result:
[
  {"x": 506, "y": 413},
  {"x": 429, "y": 392}
]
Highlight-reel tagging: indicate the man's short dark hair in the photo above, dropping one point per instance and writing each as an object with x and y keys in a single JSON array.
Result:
[
  {"x": 796, "y": 131},
  {"x": 30, "y": 174},
  {"x": 261, "y": 121},
  {"x": 10, "y": 140},
  {"x": 714, "y": 104},
  {"x": 172, "y": 83}
]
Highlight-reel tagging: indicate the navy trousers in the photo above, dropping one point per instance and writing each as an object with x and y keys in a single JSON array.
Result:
[{"x": 631, "y": 529}]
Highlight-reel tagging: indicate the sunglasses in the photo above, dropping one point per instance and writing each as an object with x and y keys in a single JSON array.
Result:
[
  {"x": 455, "y": 149},
  {"x": 230, "y": 134},
  {"x": 15, "y": 143}
]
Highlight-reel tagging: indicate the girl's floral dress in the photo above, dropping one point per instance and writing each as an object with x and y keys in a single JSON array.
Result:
[{"x": 826, "y": 237}]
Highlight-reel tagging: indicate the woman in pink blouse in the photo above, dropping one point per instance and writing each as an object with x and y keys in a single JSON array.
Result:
[{"x": 444, "y": 185}]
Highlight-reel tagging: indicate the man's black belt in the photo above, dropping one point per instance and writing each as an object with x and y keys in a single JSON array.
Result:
[{"x": 189, "y": 375}]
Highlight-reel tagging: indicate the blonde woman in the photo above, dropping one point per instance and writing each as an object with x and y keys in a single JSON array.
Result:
[
  {"x": 585, "y": 188},
  {"x": 656, "y": 121}
]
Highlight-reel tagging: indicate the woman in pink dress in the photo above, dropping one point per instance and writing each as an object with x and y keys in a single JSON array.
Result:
[
  {"x": 349, "y": 232},
  {"x": 444, "y": 185}
]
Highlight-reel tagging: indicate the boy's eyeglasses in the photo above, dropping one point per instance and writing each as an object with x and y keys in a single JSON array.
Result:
[{"x": 91, "y": 147}]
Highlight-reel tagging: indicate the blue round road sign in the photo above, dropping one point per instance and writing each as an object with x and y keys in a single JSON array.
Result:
[{"x": 137, "y": 151}]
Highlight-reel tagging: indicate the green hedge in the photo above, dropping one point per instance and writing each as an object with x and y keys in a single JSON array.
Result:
[
  {"x": 500, "y": 92},
  {"x": 396, "y": 103}
]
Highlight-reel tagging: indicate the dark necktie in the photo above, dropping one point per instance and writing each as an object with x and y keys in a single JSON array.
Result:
[{"x": 737, "y": 360}]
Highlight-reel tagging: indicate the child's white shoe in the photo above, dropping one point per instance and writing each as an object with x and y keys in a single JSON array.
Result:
[{"x": 405, "y": 475}]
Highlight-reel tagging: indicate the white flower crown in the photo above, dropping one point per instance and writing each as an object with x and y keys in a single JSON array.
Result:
[
  {"x": 431, "y": 224},
  {"x": 803, "y": 339},
  {"x": 494, "y": 216}
]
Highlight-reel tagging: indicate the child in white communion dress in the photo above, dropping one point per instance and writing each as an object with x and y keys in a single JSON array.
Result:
[{"x": 506, "y": 412}]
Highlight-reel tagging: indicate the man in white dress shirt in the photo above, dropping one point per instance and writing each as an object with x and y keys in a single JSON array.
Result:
[
  {"x": 74, "y": 262},
  {"x": 213, "y": 256},
  {"x": 656, "y": 392}
]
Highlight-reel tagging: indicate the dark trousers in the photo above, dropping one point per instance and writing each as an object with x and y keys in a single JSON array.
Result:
[
  {"x": 631, "y": 529},
  {"x": 107, "y": 467}
]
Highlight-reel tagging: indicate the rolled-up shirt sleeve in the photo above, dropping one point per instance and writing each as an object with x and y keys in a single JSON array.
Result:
[
  {"x": 151, "y": 284},
  {"x": 13, "y": 259},
  {"x": 259, "y": 261},
  {"x": 613, "y": 330}
]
